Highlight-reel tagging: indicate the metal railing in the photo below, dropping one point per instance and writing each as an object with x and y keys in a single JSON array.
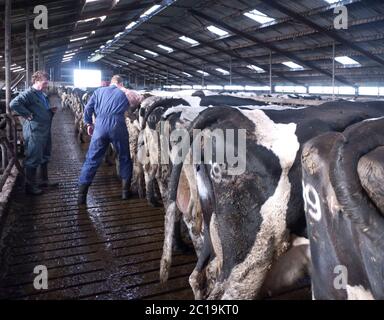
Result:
[{"x": 8, "y": 147}]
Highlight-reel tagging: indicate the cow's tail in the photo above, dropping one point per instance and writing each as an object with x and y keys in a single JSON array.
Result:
[
  {"x": 206, "y": 118},
  {"x": 358, "y": 140}
]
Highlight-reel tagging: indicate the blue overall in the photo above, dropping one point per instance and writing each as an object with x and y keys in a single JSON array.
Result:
[
  {"x": 36, "y": 132},
  {"x": 109, "y": 105}
]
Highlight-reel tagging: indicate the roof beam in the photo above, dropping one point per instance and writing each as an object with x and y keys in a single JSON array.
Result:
[
  {"x": 266, "y": 45},
  {"x": 330, "y": 33},
  {"x": 234, "y": 55}
]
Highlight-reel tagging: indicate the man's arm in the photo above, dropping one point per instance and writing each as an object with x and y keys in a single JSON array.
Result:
[
  {"x": 90, "y": 109},
  {"x": 19, "y": 104}
]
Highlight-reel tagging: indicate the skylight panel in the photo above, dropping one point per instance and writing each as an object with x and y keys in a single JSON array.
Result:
[
  {"x": 187, "y": 74},
  {"x": 347, "y": 61},
  {"x": 217, "y": 31},
  {"x": 189, "y": 40},
  {"x": 139, "y": 56},
  {"x": 78, "y": 39},
  {"x": 224, "y": 72},
  {"x": 205, "y": 74},
  {"x": 258, "y": 16},
  {"x": 168, "y": 49},
  {"x": 293, "y": 66},
  {"x": 131, "y": 25},
  {"x": 255, "y": 68},
  {"x": 151, "y": 52},
  {"x": 331, "y": 1},
  {"x": 150, "y": 10}
]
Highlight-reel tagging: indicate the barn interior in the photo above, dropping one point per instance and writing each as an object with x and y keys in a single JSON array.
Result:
[{"x": 294, "y": 53}]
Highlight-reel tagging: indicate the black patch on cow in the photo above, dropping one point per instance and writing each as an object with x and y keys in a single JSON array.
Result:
[{"x": 221, "y": 100}]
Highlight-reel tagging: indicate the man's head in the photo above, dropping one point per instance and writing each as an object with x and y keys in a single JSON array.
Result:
[
  {"x": 117, "y": 81},
  {"x": 40, "y": 80}
]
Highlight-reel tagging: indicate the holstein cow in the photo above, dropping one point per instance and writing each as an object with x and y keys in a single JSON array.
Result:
[
  {"x": 248, "y": 217},
  {"x": 343, "y": 176}
]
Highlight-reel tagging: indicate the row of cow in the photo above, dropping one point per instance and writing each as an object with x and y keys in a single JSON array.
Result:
[{"x": 308, "y": 200}]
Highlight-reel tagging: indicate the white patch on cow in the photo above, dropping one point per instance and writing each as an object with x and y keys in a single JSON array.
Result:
[
  {"x": 166, "y": 259},
  {"x": 187, "y": 113},
  {"x": 216, "y": 242},
  {"x": 271, "y": 107},
  {"x": 247, "y": 278},
  {"x": 299, "y": 241},
  {"x": 358, "y": 293}
]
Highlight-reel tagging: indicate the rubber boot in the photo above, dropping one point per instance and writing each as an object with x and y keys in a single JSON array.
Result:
[
  {"x": 82, "y": 196},
  {"x": 44, "y": 177},
  {"x": 125, "y": 190},
  {"x": 31, "y": 184}
]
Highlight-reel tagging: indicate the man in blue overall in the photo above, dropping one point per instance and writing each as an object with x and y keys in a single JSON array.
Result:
[
  {"x": 33, "y": 106},
  {"x": 109, "y": 105}
]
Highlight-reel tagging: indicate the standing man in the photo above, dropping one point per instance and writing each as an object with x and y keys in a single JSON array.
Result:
[
  {"x": 109, "y": 105},
  {"x": 33, "y": 106}
]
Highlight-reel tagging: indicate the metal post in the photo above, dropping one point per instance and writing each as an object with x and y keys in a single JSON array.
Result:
[
  {"x": 270, "y": 72},
  {"x": 7, "y": 54},
  {"x": 27, "y": 49},
  {"x": 34, "y": 51},
  {"x": 230, "y": 71},
  {"x": 333, "y": 70}
]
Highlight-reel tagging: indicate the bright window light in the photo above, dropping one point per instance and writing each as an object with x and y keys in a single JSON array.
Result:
[
  {"x": 189, "y": 40},
  {"x": 214, "y": 87},
  {"x": 258, "y": 16},
  {"x": 87, "y": 1},
  {"x": 347, "y": 90},
  {"x": 109, "y": 41},
  {"x": 381, "y": 91},
  {"x": 255, "y": 68},
  {"x": 78, "y": 39},
  {"x": 69, "y": 55},
  {"x": 151, "y": 52},
  {"x": 123, "y": 62},
  {"x": 87, "y": 78},
  {"x": 322, "y": 90},
  {"x": 224, "y": 72},
  {"x": 331, "y": 1},
  {"x": 131, "y": 25},
  {"x": 168, "y": 49},
  {"x": 118, "y": 35},
  {"x": 293, "y": 66},
  {"x": 139, "y": 56},
  {"x": 198, "y": 87},
  {"x": 150, "y": 10},
  {"x": 187, "y": 74},
  {"x": 175, "y": 86},
  {"x": 217, "y": 31},
  {"x": 234, "y": 87},
  {"x": 369, "y": 91},
  {"x": 205, "y": 74},
  {"x": 291, "y": 89},
  {"x": 185, "y": 86},
  {"x": 347, "y": 61},
  {"x": 257, "y": 88}
]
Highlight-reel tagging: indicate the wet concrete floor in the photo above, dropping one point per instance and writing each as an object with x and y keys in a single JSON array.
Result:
[{"x": 109, "y": 250}]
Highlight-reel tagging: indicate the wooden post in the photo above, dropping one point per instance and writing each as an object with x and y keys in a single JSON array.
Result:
[
  {"x": 34, "y": 51},
  {"x": 333, "y": 70},
  {"x": 7, "y": 54},
  {"x": 27, "y": 49},
  {"x": 270, "y": 73}
]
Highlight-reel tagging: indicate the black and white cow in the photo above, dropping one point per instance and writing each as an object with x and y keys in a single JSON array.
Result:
[
  {"x": 249, "y": 217},
  {"x": 343, "y": 176}
]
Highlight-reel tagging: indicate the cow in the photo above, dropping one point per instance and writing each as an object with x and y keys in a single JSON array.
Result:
[
  {"x": 248, "y": 218},
  {"x": 344, "y": 205}
]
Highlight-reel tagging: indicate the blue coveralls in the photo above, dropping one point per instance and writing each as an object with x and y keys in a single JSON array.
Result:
[
  {"x": 37, "y": 132},
  {"x": 109, "y": 105}
]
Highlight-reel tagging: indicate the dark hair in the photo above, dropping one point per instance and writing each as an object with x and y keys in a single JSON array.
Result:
[{"x": 39, "y": 76}]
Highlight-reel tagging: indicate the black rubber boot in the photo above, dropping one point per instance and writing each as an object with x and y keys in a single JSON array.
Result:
[
  {"x": 82, "y": 196},
  {"x": 44, "y": 177},
  {"x": 125, "y": 189},
  {"x": 31, "y": 184}
]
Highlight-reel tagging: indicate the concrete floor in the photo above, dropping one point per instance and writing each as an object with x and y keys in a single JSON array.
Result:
[{"x": 109, "y": 250}]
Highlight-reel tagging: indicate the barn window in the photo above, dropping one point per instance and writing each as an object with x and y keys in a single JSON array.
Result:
[
  {"x": 293, "y": 66},
  {"x": 187, "y": 74},
  {"x": 224, "y": 72},
  {"x": 151, "y": 52},
  {"x": 255, "y": 68},
  {"x": 205, "y": 74},
  {"x": 150, "y": 10},
  {"x": 347, "y": 61},
  {"x": 139, "y": 56},
  {"x": 168, "y": 49},
  {"x": 218, "y": 31},
  {"x": 258, "y": 16},
  {"x": 189, "y": 40},
  {"x": 131, "y": 25}
]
